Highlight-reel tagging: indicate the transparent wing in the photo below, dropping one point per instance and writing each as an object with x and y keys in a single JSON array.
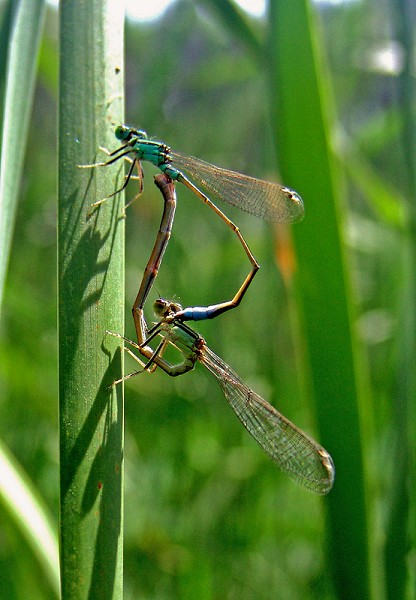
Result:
[
  {"x": 298, "y": 455},
  {"x": 263, "y": 199}
]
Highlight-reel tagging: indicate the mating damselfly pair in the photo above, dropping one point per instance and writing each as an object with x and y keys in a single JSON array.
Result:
[
  {"x": 263, "y": 199},
  {"x": 296, "y": 453}
]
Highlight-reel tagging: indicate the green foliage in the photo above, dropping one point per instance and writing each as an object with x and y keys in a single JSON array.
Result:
[
  {"x": 332, "y": 353},
  {"x": 21, "y": 27},
  {"x": 90, "y": 300},
  {"x": 206, "y": 514}
]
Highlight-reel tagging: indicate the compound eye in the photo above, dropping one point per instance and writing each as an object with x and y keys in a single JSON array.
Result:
[{"x": 122, "y": 132}]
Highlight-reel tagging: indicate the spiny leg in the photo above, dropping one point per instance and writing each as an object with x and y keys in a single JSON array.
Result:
[
  {"x": 117, "y": 155},
  {"x": 217, "y": 309},
  {"x": 123, "y": 187},
  {"x": 155, "y": 357}
]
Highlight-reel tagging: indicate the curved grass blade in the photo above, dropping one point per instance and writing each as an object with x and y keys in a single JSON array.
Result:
[{"x": 26, "y": 509}]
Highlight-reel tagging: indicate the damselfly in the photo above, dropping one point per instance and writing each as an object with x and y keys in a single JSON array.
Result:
[
  {"x": 263, "y": 199},
  {"x": 297, "y": 454}
]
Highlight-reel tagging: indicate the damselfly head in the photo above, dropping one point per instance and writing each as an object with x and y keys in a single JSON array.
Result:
[
  {"x": 122, "y": 132},
  {"x": 164, "y": 308},
  {"x": 126, "y": 133}
]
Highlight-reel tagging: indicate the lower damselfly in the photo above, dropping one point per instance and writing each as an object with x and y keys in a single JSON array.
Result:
[{"x": 297, "y": 454}]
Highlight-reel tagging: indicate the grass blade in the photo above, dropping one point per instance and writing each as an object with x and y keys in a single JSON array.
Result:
[
  {"x": 24, "y": 22},
  {"x": 401, "y": 520},
  {"x": 91, "y": 300},
  {"x": 300, "y": 115},
  {"x": 28, "y": 512}
]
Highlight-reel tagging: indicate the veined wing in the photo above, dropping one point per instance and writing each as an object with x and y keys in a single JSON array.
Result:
[
  {"x": 263, "y": 199},
  {"x": 298, "y": 455}
]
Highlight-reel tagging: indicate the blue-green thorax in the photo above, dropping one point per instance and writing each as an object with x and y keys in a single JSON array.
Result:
[{"x": 147, "y": 150}]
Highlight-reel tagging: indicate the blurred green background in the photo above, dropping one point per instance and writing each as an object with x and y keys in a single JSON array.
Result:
[{"x": 206, "y": 514}]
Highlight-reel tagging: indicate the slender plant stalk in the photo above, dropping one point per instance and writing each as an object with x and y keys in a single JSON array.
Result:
[
  {"x": 400, "y": 572},
  {"x": 20, "y": 37},
  {"x": 91, "y": 300},
  {"x": 19, "y": 59},
  {"x": 300, "y": 110}
]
